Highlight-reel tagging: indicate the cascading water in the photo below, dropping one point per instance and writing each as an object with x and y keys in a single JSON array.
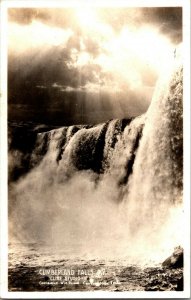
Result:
[{"x": 110, "y": 190}]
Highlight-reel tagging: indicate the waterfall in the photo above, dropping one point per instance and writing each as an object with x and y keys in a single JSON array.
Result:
[{"x": 116, "y": 184}]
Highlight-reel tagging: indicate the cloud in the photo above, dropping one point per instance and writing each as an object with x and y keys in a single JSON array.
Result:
[
  {"x": 23, "y": 38},
  {"x": 51, "y": 16},
  {"x": 169, "y": 19},
  {"x": 62, "y": 55}
]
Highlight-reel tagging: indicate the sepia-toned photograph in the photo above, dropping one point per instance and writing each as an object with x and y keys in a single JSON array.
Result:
[{"x": 95, "y": 114}]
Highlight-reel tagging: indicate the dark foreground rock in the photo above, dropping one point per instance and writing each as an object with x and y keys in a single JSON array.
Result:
[
  {"x": 175, "y": 260},
  {"x": 115, "y": 277}
]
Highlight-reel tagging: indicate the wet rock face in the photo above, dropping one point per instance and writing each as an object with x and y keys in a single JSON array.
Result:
[{"x": 176, "y": 260}]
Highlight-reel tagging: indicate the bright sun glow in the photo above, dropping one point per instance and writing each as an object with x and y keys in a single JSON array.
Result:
[
  {"x": 128, "y": 54},
  {"x": 87, "y": 16},
  {"x": 132, "y": 50},
  {"x": 90, "y": 23}
]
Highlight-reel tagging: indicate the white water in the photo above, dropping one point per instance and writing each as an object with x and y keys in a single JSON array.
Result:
[{"x": 105, "y": 190}]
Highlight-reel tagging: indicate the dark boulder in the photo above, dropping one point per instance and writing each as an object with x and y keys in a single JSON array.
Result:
[{"x": 176, "y": 260}]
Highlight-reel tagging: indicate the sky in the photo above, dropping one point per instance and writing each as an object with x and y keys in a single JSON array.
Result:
[{"x": 86, "y": 64}]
